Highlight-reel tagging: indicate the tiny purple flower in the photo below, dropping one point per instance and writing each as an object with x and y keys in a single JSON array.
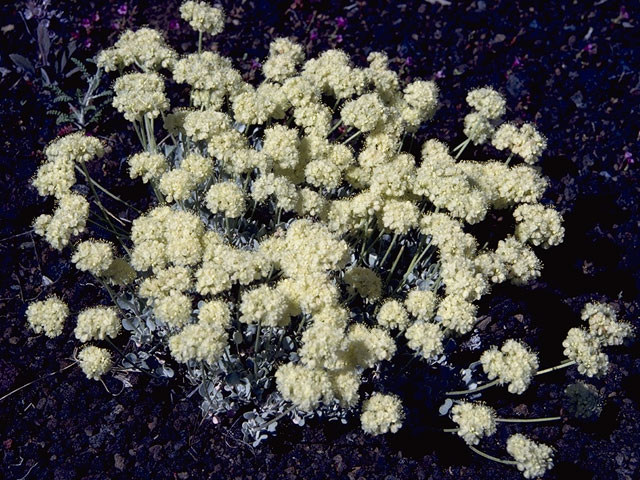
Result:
[
  {"x": 255, "y": 64},
  {"x": 408, "y": 61},
  {"x": 590, "y": 48},
  {"x": 85, "y": 22},
  {"x": 87, "y": 43},
  {"x": 628, "y": 158},
  {"x": 174, "y": 24},
  {"x": 338, "y": 38},
  {"x": 313, "y": 35},
  {"x": 341, "y": 22},
  {"x": 624, "y": 15},
  {"x": 122, "y": 9},
  {"x": 95, "y": 17},
  {"x": 440, "y": 73},
  {"x": 516, "y": 62}
]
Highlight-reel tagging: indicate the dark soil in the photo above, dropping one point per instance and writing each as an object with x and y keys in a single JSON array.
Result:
[{"x": 569, "y": 66}]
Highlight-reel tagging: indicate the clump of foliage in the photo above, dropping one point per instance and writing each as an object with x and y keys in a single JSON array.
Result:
[{"x": 298, "y": 241}]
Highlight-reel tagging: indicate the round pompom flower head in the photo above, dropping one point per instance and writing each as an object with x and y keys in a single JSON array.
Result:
[
  {"x": 392, "y": 315},
  {"x": 533, "y": 459},
  {"x": 302, "y": 386},
  {"x": 474, "y": 420},
  {"x": 364, "y": 113},
  {"x": 95, "y": 361},
  {"x": 381, "y": 414},
  {"x": 98, "y": 323},
  {"x": 203, "y": 17},
  {"x": 513, "y": 364},
  {"x": 48, "y": 316},
  {"x": 226, "y": 198},
  {"x": 487, "y": 102},
  {"x": 139, "y": 95},
  {"x": 93, "y": 256}
]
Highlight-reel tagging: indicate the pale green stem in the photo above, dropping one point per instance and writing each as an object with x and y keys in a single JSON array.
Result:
[
  {"x": 104, "y": 210},
  {"x": 478, "y": 389},
  {"x": 391, "y": 245},
  {"x": 157, "y": 193},
  {"x": 105, "y": 227},
  {"x": 352, "y": 137},
  {"x": 508, "y": 160},
  {"x": 462, "y": 146},
  {"x": 338, "y": 123},
  {"x": 557, "y": 367},
  {"x": 283, "y": 414},
  {"x": 256, "y": 349},
  {"x": 395, "y": 264},
  {"x": 494, "y": 382},
  {"x": 104, "y": 190},
  {"x": 528, "y": 420},
  {"x": 362, "y": 254},
  {"x": 36, "y": 380},
  {"x": 151, "y": 138},
  {"x": 199, "y": 42},
  {"x": 140, "y": 134},
  {"x": 416, "y": 261},
  {"x": 491, "y": 457}
]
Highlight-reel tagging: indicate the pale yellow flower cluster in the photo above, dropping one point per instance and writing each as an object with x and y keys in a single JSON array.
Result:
[
  {"x": 93, "y": 256},
  {"x": 98, "y": 323},
  {"x": 533, "y": 459},
  {"x": 226, "y": 198},
  {"x": 425, "y": 338},
  {"x": 95, "y": 361},
  {"x": 331, "y": 73},
  {"x": 264, "y": 305},
  {"x": 538, "y": 225},
  {"x": 174, "y": 279},
  {"x": 381, "y": 414},
  {"x": 211, "y": 77},
  {"x": 513, "y": 364},
  {"x": 57, "y": 175},
  {"x": 165, "y": 236},
  {"x": 271, "y": 197},
  {"x": 475, "y": 420},
  {"x": 584, "y": 346},
  {"x": 364, "y": 281},
  {"x": 444, "y": 183},
  {"x": 140, "y": 95},
  {"x": 47, "y": 316},
  {"x": 145, "y": 48},
  {"x": 364, "y": 113},
  {"x": 525, "y": 141},
  {"x": 489, "y": 106},
  {"x": 306, "y": 388},
  {"x": 203, "y": 17},
  {"x": 392, "y": 315},
  {"x": 68, "y": 219},
  {"x": 199, "y": 342},
  {"x": 199, "y": 166},
  {"x": 149, "y": 166},
  {"x": 421, "y": 304},
  {"x": 284, "y": 58}
]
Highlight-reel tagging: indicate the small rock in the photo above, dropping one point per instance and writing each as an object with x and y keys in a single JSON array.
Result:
[
  {"x": 500, "y": 37},
  {"x": 155, "y": 451},
  {"x": 578, "y": 99},
  {"x": 118, "y": 461}
]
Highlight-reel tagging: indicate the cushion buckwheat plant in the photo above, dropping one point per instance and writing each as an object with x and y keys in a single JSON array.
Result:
[{"x": 301, "y": 236}]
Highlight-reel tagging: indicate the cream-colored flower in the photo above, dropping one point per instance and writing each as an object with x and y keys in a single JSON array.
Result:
[{"x": 381, "y": 414}]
